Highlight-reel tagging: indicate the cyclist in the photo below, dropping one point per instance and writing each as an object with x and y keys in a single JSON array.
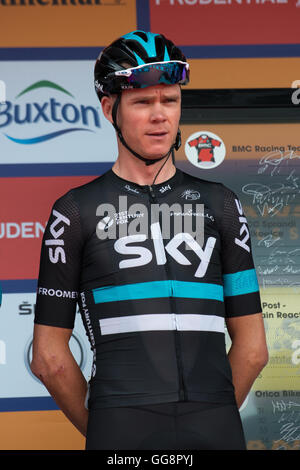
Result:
[{"x": 154, "y": 298}]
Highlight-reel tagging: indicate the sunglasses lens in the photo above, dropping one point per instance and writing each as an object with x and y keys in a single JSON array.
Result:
[{"x": 169, "y": 73}]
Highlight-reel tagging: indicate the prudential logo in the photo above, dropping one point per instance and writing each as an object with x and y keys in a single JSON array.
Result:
[{"x": 29, "y": 120}]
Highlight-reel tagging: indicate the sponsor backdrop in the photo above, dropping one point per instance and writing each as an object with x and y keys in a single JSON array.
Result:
[
  {"x": 53, "y": 136},
  {"x": 266, "y": 159}
]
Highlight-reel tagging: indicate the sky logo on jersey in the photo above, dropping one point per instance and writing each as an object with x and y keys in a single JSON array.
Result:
[
  {"x": 56, "y": 251},
  {"x": 60, "y": 118},
  {"x": 143, "y": 255},
  {"x": 244, "y": 229}
]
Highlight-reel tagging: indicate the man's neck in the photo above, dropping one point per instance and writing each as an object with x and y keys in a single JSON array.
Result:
[{"x": 136, "y": 171}]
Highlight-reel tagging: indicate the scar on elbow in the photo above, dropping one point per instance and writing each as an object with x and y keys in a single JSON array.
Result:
[{"x": 47, "y": 369}]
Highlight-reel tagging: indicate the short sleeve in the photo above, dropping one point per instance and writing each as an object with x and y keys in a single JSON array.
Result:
[
  {"x": 241, "y": 289},
  {"x": 60, "y": 264}
]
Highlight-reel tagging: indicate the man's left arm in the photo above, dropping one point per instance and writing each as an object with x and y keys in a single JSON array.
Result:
[{"x": 248, "y": 353}]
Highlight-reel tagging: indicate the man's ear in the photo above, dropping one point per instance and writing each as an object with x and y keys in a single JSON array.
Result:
[{"x": 107, "y": 105}]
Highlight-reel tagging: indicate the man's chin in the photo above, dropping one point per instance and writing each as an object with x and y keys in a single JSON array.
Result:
[{"x": 157, "y": 155}]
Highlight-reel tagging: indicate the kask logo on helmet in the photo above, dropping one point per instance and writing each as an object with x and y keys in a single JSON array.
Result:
[{"x": 52, "y": 118}]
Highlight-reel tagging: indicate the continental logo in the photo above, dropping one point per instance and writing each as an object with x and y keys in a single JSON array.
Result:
[
  {"x": 58, "y": 3},
  {"x": 53, "y": 116}
]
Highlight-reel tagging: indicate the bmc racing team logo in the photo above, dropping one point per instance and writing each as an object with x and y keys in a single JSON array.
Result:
[
  {"x": 205, "y": 150},
  {"x": 48, "y": 119}
]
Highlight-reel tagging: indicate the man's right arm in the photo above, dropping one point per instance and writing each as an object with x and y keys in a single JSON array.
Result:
[
  {"x": 54, "y": 364},
  {"x": 57, "y": 295}
]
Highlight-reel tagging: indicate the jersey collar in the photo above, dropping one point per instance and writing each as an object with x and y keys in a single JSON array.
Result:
[{"x": 135, "y": 189}]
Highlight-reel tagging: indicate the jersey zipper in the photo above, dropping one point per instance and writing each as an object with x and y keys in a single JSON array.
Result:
[
  {"x": 152, "y": 194},
  {"x": 182, "y": 391}
]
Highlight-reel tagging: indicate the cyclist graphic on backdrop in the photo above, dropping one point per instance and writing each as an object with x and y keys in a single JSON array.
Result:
[{"x": 204, "y": 146}]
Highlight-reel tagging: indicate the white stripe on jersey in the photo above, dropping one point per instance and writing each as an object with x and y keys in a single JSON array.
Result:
[{"x": 162, "y": 321}]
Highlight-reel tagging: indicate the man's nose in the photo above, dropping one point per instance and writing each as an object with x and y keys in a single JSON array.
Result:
[{"x": 158, "y": 112}]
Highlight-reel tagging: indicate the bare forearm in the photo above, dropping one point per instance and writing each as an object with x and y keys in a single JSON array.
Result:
[
  {"x": 248, "y": 354},
  {"x": 244, "y": 373},
  {"x": 67, "y": 385}
]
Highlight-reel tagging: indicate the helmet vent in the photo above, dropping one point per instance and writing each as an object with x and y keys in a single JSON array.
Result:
[{"x": 142, "y": 35}]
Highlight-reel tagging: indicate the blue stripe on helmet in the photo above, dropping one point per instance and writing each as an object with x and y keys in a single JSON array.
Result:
[
  {"x": 166, "y": 56},
  {"x": 148, "y": 45},
  {"x": 139, "y": 60}
]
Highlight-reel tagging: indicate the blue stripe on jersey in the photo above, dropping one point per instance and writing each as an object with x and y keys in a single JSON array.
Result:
[
  {"x": 242, "y": 282},
  {"x": 197, "y": 290},
  {"x": 156, "y": 289}
]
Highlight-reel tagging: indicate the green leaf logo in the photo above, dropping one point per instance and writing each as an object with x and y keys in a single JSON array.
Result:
[{"x": 44, "y": 84}]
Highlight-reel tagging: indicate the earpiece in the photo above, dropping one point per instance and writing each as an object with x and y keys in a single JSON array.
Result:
[{"x": 178, "y": 140}]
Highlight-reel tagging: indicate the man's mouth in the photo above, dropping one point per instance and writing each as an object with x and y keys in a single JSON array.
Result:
[{"x": 157, "y": 134}]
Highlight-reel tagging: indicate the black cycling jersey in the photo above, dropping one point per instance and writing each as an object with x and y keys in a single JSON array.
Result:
[{"x": 156, "y": 271}]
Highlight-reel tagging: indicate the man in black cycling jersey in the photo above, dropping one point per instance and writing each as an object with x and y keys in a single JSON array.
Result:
[{"x": 157, "y": 278}]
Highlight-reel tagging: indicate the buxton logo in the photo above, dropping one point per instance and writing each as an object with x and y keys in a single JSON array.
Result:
[{"x": 74, "y": 118}]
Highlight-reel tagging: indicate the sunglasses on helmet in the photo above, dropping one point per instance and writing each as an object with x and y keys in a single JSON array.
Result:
[{"x": 170, "y": 72}]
